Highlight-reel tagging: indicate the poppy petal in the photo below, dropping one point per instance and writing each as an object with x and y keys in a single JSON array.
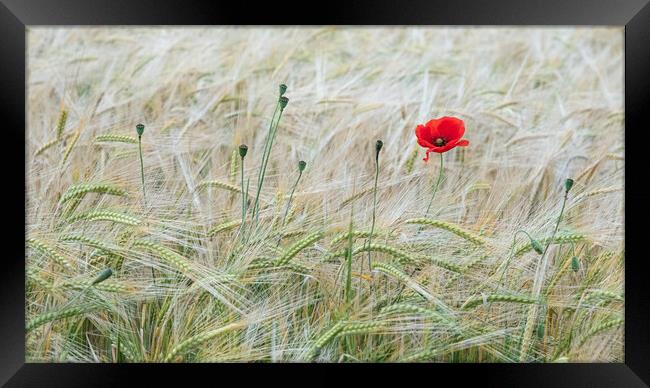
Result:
[
  {"x": 451, "y": 128},
  {"x": 462, "y": 143},
  {"x": 446, "y": 147},
  {"x": 423, "y": 134},
  {"x": 433, "y": 129}
]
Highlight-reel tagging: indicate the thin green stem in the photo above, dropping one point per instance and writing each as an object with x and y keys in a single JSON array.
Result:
[
  {"x": 435, "y": 188},
  {"x": 265, "y": 158},
  {"x": 514, "y": 241},
  {"x": 537, "y": 286},
  {"x": 243, "y": 194},
  {"x": 144, "y": 194},
  {"x": 286, "y": 210},
  {"x": 374, "y": 210}
]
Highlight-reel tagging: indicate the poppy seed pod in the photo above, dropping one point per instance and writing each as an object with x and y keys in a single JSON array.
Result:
[
  {"x": 140, "y": 129},
  {"x": 575, "y": 264},
  {"x": 537, "y": 246},
  {"x": 568, "y": 184},
  {"x": 283, "y": 89},
  {"x": 105, "y": 274},
  {"x": 301, "y": 165},
  {"x": 378, "y": 146},
  {"x": 243, "y": 149},
  {"x": 283, "y": 102}
]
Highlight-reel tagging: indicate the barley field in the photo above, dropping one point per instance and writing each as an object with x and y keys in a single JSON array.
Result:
[{"x": 170, "y": 246}]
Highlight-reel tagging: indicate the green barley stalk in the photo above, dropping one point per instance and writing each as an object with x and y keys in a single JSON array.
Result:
[
  {"x": 168, "y": 255},
  {"x": 299, "y": 246},
  {"x": 79, "y": 190},
  {"x": 218, "y": 184},
  {"x": 116, "y": 138},
  {"x": 224, "y": 227},
  {"x": 353, "y": 234},
  {"x": 47, "y": 251},
  {"x": 449, "y": 227},
  {"x": 354, "y": 197},
  {"x": 46, "y": 146},
  {"x": 105, "y": 215},
  {"x": 602, "y": 327},
  {"x": 88, "y": 241},
  {"x": 404, "y": 278},
  {"x": 477, "y": 300},
  {"x": 356, "y": 328},
  {"x": 200, "y": 338},
  {"x": 234, "y": 161},
  {"x": 407, "y": 308},
  {"x": 60, "y": 127},
  {"x": 325, "y": 338},
  {"x": 56, "y": 315},
  {"x": 68, "y": 150},
  {"x": 410, "y": 162},
  {"x": 106, "y": 286}
]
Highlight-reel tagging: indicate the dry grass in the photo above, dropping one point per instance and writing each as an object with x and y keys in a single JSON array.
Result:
[{"x": 540, "y": 105}]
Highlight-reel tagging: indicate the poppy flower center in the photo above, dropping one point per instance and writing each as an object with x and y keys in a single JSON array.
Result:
[{"x": 439, "y": 142}]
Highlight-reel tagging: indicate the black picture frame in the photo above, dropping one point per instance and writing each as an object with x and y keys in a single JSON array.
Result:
[{"x": 16, "y": 15}]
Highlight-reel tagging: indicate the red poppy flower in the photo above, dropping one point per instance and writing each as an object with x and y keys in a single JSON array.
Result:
[{"x": 441, "y": 135}]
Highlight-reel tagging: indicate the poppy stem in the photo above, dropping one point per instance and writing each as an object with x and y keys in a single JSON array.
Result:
[
  {"x": 243, "y": 197},
  {"x": 514, "y": 241},
  {"x": 144, "y": 194},
  {"x": 539, "y": 280},
  {"x": 378, "y": 147},
  {"x": 286, "y": 210},
  {"x": 435, "y": 188}
]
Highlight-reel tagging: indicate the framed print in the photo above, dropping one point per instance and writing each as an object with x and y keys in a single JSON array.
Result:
[{"x": 437, "y": 188}]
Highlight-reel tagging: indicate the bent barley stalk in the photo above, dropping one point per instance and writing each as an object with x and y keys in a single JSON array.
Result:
[
  {"x": 167, "y": 254},
  {"x": 299, "y": 246},
  {"x": 354, "y": 234},
  {"x": 104, "y": 286},
  {"x": 88, "y": 241},
  {"x": 354, "y": 197},
  {"x": 115, "y": 138},
  {"x": 199, "y": 338},
  {"x": 68, "y": 150},
  {"x": 234, "y": 165},
  {"x": 325, "y": 338},
  {"x": 356, "y": 328},
  {"x": 219, "y": 185},
  {"x": 478, "y": 300},
  {"x": 47, "y": 251},
  {"x": 602, "y": 327},
  {"x": 448, "y": 226},
  {"x": 57, "y": 315},
  {"x": 407, "y": 308},
  {"x": 224, "y": 227},
  {"x": 60, "y": 126},
  {"x": 105, "y": 215},
  {"x": 46, "y": 146},
  {"x": 79, "y": 190}
]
